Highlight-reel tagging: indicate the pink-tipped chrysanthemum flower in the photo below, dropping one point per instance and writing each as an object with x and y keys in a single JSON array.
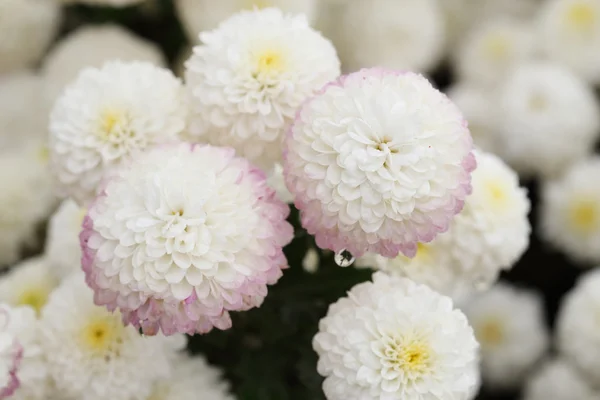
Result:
[
  {"x": 11, "y": 353},
  {"x": 378, "y": 161},
  {"x": 182, "y": 236}
]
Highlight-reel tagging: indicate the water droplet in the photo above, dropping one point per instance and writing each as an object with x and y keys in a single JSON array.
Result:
[{"x": 344, "y": 258}]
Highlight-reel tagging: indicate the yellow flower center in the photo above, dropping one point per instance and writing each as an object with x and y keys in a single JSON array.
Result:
[
  {"x": 112, "y": 123},
  {"x": 497, "y": 47},
  {"x": 411, "y": 356},
  {"x": 423, "y": 251},
  {"x": 581, "y": 16},
  {"x": 269, "y": 62},
  {"x": 584, "y": 215},
  {"x": 497, "y": 195},
  {"x": 537, "y": 102},
  {"x": 103, "y": 335},
  {"x": 251, "y": 4},
  {"x": 43, "y": 154},
  {"x": 34, "y": 297},
  {"x": 490, "y": 332}
]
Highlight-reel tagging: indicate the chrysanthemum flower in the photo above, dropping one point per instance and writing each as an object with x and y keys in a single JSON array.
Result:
[
  {"x": 91, "y": 355},
  {"x": 277, "y": 182},
  {"x": 392, "y": 339},
  {"x": 63, "y": 251},
  {"x": 23, "y": 111},
  {"x": 184, "y": 235},
  {"x": 28, "y": 284},
  {"x": 569, "y": 33},
  {"x": 11, "y": 353},
  {"x": 192, "y": 376},
  {"x": 92, "y": 46},
  {"x": 489, "y": 235},
  {"x": 509, "y": 326},
  {"x": 202, "y": 15},
  {"x": 108, "y": 115},
  {"x": 578, "y": 337},
  {"x": 493, "y": 49},
  {"x": 26, "y": 199},
  {"x": 378, "y": 161},
  {"x": 27, "y": 27},
  {"x": 570, "y": 213},
  {"x": 557, "y": 380},
  {"x": 248, "y": 101},
  {"x": 393, "y": 34},
  {"x": 550, "y": 119},
  {"x": 478, "y": 105}
]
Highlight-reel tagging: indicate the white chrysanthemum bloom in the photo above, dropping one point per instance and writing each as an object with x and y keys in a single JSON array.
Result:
[
  {"x": 63, "y": 250},
  {"x": 192, "y": 376},
  {"x": 558, "y": 380},
  {"x": 23, "y": 111},
  {"x": 91, "y": 355},
  {"x": 550, "y": 119},
  {"x": 493, "y": 49},
  {"x": 578, "y": 337},
  {"x": 27, "y": 27},
  {"x": 92, "y": 46},
  {"x": 106, "y": 116},
  {"x": 489, "y": 235},
  {"x": 28, "y": 284},
  {"x": 509, "y": 325},
  {"x": 104, "y": 3},
  {"x": 203, "y": 15},
  {"x": 393, "y": 338},
  {"x": 248, "y": 101},
  {"x": 182, "y": 236},
  {"x": 378, "y": 161},
  {"x": 277, "y": 182},
  {"x": 569, "y": 33},
  {"x": 480, "y": 109},
  {"x": 407, "y": 35},
  {"x": 26, "y": 199},
  {"x": 310, "y": 262},
  {"x": 570, "y": 212}
]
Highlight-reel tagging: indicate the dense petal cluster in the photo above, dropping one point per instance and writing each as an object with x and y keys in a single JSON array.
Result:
[
  {"x": 250, "y": 75},
  {"x": 569, "y": 33},
  {"x": 393, "y": 34},
  {"x": 509, "y": 325},
  {"x": 557, "y": 380},
  {"x": 92, "y": 46},
  {"x": 28, "y": 283},
  {"x": 391, "y": 339},
  {"x": 570, "y": 213},
  {"x": 578, "y": 338},
  {"x": 378, "y": 161},
  {"x": 92, "y": 356},
  {"x": 202, "y": 15},
  {"x": 11, "y": 353},
  {"x": 26, "y": 29},
  {"x": 106, "y": 116},
  {"x": 63, "y": 251},
  {"x": 489, "y": 235},
  {"x": 550, "y": 119},
  {"x": 184, "y": 235}
]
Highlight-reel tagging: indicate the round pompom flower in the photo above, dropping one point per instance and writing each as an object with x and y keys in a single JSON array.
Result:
[
  {"x": 250, "y": 75},
  {"x": 28, "y": 283},
  {"x": 406, "y": 34},
  {"x": 489, "y": 235},
  {"x": 569, "y": 33},
  {"x": 11, "y": 354},
  {"x": 92, "y": 46},
  {"x": 27, "y": 27},
  {"x": 570, "y": 213},
  {"x": 107, "y": 115},
  {"x": 509, "y": 325},
  {"x": 184, "y": 235},
  {"x": 378, "y": 161},
  {"x": 578, "y": 338},
  {"x": 557, "y": 380},
  {"x": 550, "y": 119},
  {"x": 393, "y": 338},
  {"x": 92, "y": 356},
  {"x": 202, "y": 15}
]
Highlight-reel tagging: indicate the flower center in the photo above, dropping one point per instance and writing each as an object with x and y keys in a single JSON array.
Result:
[
  {"x": 497, "y": 47},
  {"x": 413, "y": 356},
  {"x": 251, "y": 4},
  {"x": 584, "y": 215},
  {"x": 113, "y": 124},
  {"x": 43, "y": 154},
  {"x": 496, "y": 194},
  {"x": 269, "y": 61},
  {"x": 537, "y": 102},
  {"x": 34, "y": 297},
  {"x": 490, "y": 332},
  {"x": 581, "y": 16},
  {"x": 103, "y": 335}
]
